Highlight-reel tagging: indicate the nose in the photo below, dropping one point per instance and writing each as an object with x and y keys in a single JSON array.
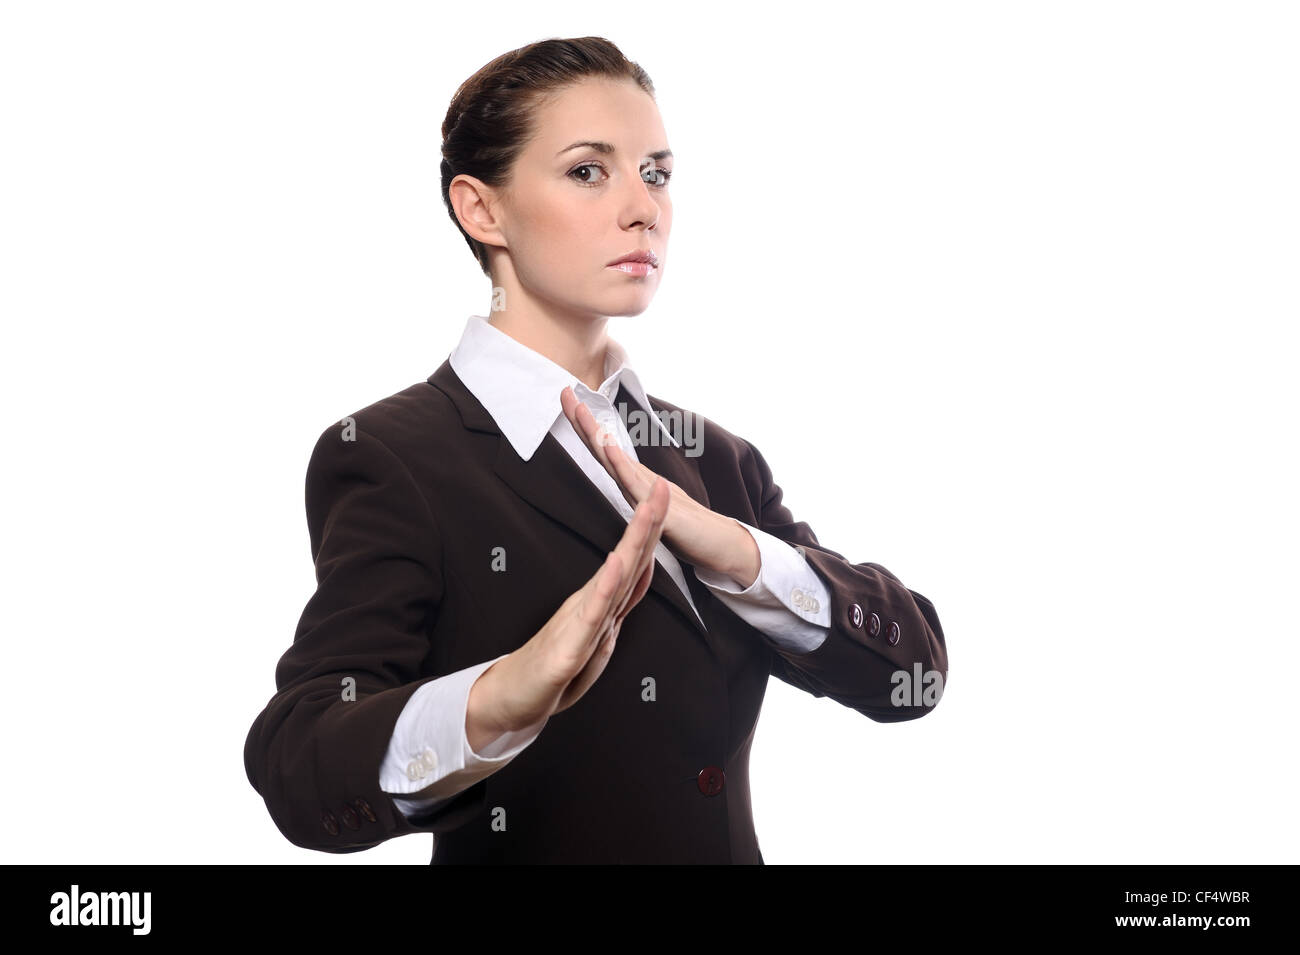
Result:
[{"x": 641, "y": 207}]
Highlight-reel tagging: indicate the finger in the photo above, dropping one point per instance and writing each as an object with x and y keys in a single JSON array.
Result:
[
  {"x": 635, "y": 597},
  {"x": 597, "y": 438},
  {"x": 656, "y": 511},
  {"x": 631, "y": 598},
  {"x": 598, "y": 603},
  {"x": 606, "y": 592},
  {"x": 634, "y": 476},
  {"x": 584, "y": 425},
  {"x": 569, "y": 402},
  {"x": 598, "y": 636},
  {"x": 594, "y": 667},
  {"x": 631, "y": 477},
  {"x": 656, "y": 505}
]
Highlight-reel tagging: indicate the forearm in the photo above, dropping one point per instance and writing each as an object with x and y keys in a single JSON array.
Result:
[
  {"x": 719, "y": 545},
  {"x": 431, "y": 761},
  {"x": 482, "y": 725}
]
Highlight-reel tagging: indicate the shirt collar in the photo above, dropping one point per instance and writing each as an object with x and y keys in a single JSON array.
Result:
[{"x": 520, "y": 388}]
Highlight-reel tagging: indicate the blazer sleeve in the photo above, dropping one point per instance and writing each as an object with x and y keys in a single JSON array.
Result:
[
  {"x": 855, "y": 666},
  {"x": 360, "y": 650}
]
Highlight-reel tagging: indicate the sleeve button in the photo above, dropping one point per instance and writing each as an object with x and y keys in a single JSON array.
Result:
[
  {"x": 873, "y": 627},
  {"x": 363, "y": 807},
  {"x": 855, "y": 616},
  {"x": 330, "y": 824},
  {"x": 895, "y": 633}
]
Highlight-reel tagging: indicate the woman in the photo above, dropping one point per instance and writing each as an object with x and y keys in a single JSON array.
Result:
[{"x": 548, "y": 604}]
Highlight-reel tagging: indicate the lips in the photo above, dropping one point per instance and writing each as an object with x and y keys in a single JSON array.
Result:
[{"x": 641, "y": 256}]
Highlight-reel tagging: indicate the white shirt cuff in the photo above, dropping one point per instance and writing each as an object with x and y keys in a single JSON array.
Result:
[
  {"x": 429, "y": 752},
  {"x": 787, "y": 602}
]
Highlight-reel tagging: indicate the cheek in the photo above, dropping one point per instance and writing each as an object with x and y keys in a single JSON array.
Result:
[{"x": 562, "y": 231}]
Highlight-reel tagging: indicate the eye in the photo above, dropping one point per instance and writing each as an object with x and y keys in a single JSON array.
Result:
[
  {"x": 577, "y": 174},
  {"x": 587, "y": 165},
  {"x": 666, "y": 173}
]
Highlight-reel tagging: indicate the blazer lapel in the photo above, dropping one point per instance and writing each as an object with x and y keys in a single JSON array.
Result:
[
  {"x": 553, "y": 482},
  {"x": 660, "y": 456}
]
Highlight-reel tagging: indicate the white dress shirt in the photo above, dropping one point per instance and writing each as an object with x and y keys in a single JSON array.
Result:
[{"x": 429, "y": 752}]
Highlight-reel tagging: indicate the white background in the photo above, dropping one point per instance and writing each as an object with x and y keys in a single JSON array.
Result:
[{"x": 1004, "y": 292}]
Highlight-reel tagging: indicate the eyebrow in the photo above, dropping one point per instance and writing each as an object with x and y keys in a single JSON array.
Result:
[{"x": 606, "y": 149}]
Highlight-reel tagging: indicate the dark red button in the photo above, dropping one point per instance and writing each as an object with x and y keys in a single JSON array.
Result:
[
  {"x": 329, "y": 822},
  {"x": 350, "y": 817},
  {"x": 710, "y": 780},
  {"x": 873, "y": 627},
  {"x": 895, "y": 632},
  {"x": 363, "y": 807},
  {"x": 855, "y": 616}
]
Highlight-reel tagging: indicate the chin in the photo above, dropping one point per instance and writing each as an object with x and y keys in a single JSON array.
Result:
[
  {"x": 606, "y": 302},
  {"x": 629, "y": 304}
]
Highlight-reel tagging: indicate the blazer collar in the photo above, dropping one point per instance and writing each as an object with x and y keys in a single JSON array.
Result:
[{"x": 552, "y": 482}]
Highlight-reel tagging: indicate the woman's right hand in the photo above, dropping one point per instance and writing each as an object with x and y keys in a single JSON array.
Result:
[{"x": 555, "y": 668}]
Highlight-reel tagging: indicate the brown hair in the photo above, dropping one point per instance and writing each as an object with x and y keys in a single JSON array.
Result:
[{"x": 490, "y": 118}]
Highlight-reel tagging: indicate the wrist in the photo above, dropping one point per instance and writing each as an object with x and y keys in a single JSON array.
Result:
[
  {"x": 746, "y": 561},
  {"x": 483, "y": 722}
]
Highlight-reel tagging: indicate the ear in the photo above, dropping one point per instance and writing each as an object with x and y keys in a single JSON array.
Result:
[{"x": 477, "y": 206}]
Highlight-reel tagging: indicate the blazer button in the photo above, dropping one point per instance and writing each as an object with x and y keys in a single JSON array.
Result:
[
  {"x": 710, "y": 780},
  {"x": 873, "y": 627},
  {"x": 350, "y": 817},
  {"x": 894, "y": 633},
  {"x": 363, "y": 807},
  {"x": 855, "y": 616},
  {"x": 329, "y": 822}
]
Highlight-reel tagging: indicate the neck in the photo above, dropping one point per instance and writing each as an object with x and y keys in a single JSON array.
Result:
[{"x": 575, "y": 343}]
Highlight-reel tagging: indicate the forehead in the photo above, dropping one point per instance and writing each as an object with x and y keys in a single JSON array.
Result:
[{"x": 617, "y": 112}]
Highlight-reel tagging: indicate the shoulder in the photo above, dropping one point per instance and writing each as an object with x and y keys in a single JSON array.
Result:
[
  {"x": 710, "y": 441},
  {"x": 403, "y": 424}
]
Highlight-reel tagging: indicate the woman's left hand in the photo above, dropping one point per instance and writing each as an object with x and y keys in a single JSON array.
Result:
[{"x": 691, "y": 531}]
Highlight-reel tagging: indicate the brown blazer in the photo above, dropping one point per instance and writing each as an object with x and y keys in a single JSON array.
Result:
[{"x": 403, "y": 522}]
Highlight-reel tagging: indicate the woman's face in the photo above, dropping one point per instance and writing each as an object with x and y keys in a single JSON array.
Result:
[{"x": 571, "y": 208}]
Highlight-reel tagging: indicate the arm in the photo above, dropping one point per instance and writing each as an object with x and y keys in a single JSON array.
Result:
[
  {"x": 358, "y": 656},
  {"x": 430, "y": 759},
  {"x": 878, "y": 627},
  {"x": 787, "y": 601}
]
